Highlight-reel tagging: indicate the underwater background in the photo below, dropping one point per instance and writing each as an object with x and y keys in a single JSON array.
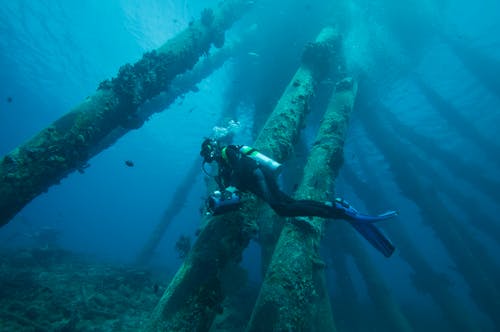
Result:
[{"x": 422, "y": 139}]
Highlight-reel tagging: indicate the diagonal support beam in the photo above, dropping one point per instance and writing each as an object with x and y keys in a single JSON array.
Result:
[
  {"x": 68, "y": 143},
  {"x": 294, "y": 295},
  {"x": 195, "y": 294}
]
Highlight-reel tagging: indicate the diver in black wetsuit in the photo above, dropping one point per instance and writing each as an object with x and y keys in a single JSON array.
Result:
[{"x": 242, "y": 168}]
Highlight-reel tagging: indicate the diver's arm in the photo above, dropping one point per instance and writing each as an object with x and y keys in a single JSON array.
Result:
[{"x": 219, "y": 181}]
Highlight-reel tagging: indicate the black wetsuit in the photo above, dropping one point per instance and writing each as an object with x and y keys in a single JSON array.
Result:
[{"x": 239, "y": 170}]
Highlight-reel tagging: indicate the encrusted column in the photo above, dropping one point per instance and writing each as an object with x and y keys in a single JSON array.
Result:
[
  {"x": 424, "y": 276},
  {"x": 420, "y": 183},
  {"x": 68, "y": 143},
  {"x": 195, "y": 295},
  {"x": 293, "y": 296},
  {"x": 181, "y": 85}
]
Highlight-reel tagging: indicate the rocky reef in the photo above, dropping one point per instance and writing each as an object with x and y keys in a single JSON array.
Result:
[{"x": 55, "y": 290}]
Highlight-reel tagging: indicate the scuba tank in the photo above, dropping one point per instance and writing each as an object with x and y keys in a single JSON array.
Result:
[{"x": 262, "y": 159}]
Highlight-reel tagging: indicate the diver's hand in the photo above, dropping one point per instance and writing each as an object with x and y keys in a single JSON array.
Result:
[
  {"x": 228, "y": 192},
  {"x": 231, "y": 189}
]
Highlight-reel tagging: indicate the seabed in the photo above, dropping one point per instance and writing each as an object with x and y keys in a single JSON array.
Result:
[{"x": 51, "y": 289}]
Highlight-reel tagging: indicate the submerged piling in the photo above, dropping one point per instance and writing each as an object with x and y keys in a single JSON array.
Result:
[
  {"x": 424, "y": 276},
  {"x": 459, "y": 168},
  {"x": 294, "y": 295},
  {"x": 471, "y": 259},
  {"x": 388, "y": 312},
  {"x": 68, "y": 143},
  {"x": 484, "y": 67},
  {"x": 195, "y": 295},
  {"x": 343, "y": 294},
  {"x": 181, "y": 85},
  {"x": 173, "y": 208},
  {"x": 459, "y": 122}
]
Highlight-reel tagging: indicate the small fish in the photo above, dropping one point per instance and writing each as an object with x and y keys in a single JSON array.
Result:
[
  {"x": 254, "y": 54},
  {"x": 129, "y": 163},
  {"x": 9, "y": 99},
  {"x": 82, "y": 167}
]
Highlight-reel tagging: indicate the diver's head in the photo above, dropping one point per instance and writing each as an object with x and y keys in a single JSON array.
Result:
[{"x": 209, "y": 150}]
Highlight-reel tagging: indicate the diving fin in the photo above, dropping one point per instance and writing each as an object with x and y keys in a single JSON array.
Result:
[
  {"x": 351, "y": 214},
  {"x": 366, "y": 219},
  {"x": 375, "y": 236}
]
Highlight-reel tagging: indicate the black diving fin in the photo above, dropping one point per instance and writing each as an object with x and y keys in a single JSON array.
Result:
[{"x": 375, "y": 236}]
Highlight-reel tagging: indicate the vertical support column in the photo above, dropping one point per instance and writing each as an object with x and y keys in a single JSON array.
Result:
[
  {"x": 194, "y": 296},
  {"x": 293, "y": 295},
  {"x": 471, "y": 258},
  {"x": 425, "y": 277}
]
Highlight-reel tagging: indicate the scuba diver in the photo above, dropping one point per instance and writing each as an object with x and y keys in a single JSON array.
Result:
[{"x": 242, "y": 168}]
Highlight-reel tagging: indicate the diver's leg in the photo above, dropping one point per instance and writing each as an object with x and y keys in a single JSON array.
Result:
[
  {"x": 262, "y": 188},
  {"x": 284, "y": 205},
  {"x": 266, "y": 187}
]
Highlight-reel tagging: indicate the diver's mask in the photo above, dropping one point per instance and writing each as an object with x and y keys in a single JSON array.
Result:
[{"x": 209, "y": 151}]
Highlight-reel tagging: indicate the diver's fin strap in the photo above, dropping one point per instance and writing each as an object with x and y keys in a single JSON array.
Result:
[
  {"x": 353, "y": 215},
  {"x": 367, "y": 219}
]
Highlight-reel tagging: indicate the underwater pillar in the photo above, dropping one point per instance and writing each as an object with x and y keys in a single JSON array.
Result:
[
  {"x": 471, "y": 258},
  {"x": 460, "y": 123},
  {"x": 181, "y": 85},
  {"x": 175, "y": 206},
  {"x": 425, "y": 278},
  {"x": 388, "y": 312},
  {"x": 294, "y": 296},
  {"x": 195, "y": 295},
  {"x": 279, "y": 134},
  {"x": 344, "y": 297},
  {"x": 68, "y": 143},
  {"x": 484, "y": 67},
  {"x": 471, "y": 204}
]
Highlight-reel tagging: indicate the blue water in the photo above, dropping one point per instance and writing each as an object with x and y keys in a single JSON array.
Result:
[{"x": 53, "y": 54}]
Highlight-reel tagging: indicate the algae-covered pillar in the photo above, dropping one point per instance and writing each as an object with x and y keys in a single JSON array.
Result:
[
  {"x": 293, "y": 296},
  {"x": 484, "y": 67},
  {"x": 182, "y": 84},
  {"x": 195, "y": 294},
  {"x": 470, "y": 256},
  {"x": 424, "y": 276},
  {"x": 458, "y": 168},
  {"x": 459, "y": 122},
  {"x": 388, "y": 312},
  {"x": 68, "y": 143},
  {"x": 345, "y": 298}
]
